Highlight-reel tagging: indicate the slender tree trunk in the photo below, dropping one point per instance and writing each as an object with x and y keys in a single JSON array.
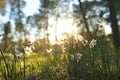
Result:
[
  {"x": 6, "y": 32},
  {"x": 114, "y": 24},
  {"x": 47, "y": 35},
  {"x": 84, "y": 18},
  {"x": 19, "y": 11}
]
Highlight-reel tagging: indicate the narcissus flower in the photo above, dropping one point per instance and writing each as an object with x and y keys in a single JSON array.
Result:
[
  {"x": 27, "y": 38},
  {"x": 101, "y": 19},
  {"x": 101, "y": 27},
  {"x": 84, "y": 42},
  {"x": 92, "y": 43}
]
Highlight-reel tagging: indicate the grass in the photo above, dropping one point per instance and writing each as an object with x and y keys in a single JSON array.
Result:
[
  {"x": 36, "y": 66},
  {"x": 98, "y": 63}
]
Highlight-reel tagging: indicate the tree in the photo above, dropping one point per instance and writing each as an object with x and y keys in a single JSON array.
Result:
[
  {"x": 114, "y": 24},
  {"x": 2, "y": 5},
  {"x": 46, "y": 11},
  {"x": 7, "y": 30},
  {"x": 83, "y": 15},
  {"x": 15, "y": 14}
]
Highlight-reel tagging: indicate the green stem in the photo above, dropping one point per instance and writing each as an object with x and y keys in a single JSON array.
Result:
[
  {"x": 24, "y": 67},
  {"x": 5, "y": 62}
]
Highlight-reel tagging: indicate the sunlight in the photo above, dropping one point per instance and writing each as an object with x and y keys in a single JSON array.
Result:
[{"x": 62, "y": 26}]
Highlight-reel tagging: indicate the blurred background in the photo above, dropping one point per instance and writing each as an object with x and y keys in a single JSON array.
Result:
[{"x": 48, "y": 23}]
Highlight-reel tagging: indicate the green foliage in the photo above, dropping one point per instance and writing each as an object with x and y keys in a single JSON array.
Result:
[
  {"x": 92, "y": 59},
  {"x": 89, "y": 63},
  {"x": 49, "y": 3},
  {"x": 32, "y": 66},
  {"x": 96, "y": 62},
  {"x": 10, "y": 68}
]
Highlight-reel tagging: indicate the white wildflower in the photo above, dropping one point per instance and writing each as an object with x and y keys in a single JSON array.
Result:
[
  {"x": 92, "y": 43},
  {"x": 101, "y": 20},
  {"x": 32, "y": 46},
  {"x": 79, "y": 55},
  {"x": 27, "y": 38},
  {"x": 10, "y": 55},
  {"x": 71, "y": 57},
  {"x": 101, "y": 27},
  {"x": 84, "y": 42},
  {"x": 28, "y": 50},
  {"x": 19, "y": 55},
  {"x": 63, "y": 49},
  {"x": 49, "y": 50}
]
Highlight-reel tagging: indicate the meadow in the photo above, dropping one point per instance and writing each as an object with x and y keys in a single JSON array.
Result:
[
  {"x": 92, "y": 61},
  {"x": 59, "y": 40}
]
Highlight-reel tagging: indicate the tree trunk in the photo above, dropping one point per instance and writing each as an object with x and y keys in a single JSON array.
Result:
[
  {"x": 114, "y": 24},
  {"x": 6, "y": 32},
  {"x": 84, "y": 18}
]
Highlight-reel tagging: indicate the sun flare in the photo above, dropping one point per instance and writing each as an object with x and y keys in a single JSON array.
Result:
[{"x": 62, "y": 26}]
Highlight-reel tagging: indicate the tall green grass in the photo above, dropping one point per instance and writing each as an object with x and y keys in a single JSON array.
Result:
[
  {"x": 10, "y": 68},
  {"x": 98, "y": 63}
]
